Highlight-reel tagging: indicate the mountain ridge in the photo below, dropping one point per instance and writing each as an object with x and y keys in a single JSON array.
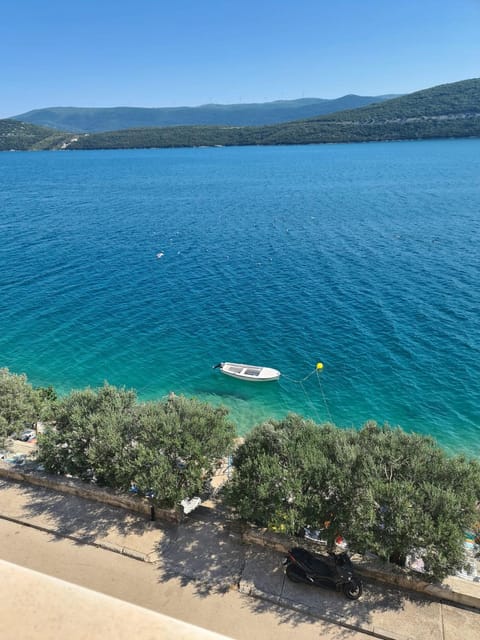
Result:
[
  {"x": 445, "y": 111},
  {"x": 100, "y": 119}
]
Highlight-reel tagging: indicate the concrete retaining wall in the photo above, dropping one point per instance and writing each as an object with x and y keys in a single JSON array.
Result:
[{"x": 90, "y": 492}]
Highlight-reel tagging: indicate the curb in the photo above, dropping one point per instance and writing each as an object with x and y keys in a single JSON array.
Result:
[
  {"x": 246, "y": 588},
  {"x": 249, "y": 590},
  {"x": 107, "y": 546}
]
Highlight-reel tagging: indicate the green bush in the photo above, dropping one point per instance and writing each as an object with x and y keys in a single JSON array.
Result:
[
  {"x": 20, "y": 404},
  {"x": 166, "y": 449},
  {"x": 385, "y": 491}
]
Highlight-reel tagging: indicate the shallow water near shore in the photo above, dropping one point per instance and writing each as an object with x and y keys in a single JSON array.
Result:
[{"x": 364, "y": 257}]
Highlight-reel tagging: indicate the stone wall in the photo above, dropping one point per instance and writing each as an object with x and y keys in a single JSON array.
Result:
[{"x": 81, "y": 489}]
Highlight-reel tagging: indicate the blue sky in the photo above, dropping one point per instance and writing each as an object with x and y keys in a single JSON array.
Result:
[{"x": 154, "y": 53}]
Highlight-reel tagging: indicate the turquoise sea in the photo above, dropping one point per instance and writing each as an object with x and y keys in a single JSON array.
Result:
[{"x": 362, "y": 256}]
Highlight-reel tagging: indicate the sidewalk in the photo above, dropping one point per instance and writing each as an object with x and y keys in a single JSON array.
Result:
[{"x": 202, "y": 551}]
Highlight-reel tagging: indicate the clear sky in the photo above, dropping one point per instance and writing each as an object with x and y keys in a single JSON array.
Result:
[{"x": 156, "y": 53}]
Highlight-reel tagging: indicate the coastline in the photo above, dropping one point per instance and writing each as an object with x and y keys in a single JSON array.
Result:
[{"x": 266, "y": 264}]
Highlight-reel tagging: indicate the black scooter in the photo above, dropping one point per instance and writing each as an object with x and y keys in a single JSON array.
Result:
[{"x": 332, "y": 572}]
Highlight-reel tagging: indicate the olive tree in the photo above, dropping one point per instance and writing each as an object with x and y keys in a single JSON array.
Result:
[
  {"x": 47, "y": 402},
  {"x": 177, "y": 446},
  {"x": 19, "y": 403},
  {"x": 167, "y": 449},
  {"x": 384, "y": 490},
  {"x": 413, "y": 497},
  {"x": 88, "y": 438},
  {"x": 288, "y": 475}
]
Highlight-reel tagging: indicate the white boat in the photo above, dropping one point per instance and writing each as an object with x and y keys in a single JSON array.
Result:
[{"x": 248, "y": 371}]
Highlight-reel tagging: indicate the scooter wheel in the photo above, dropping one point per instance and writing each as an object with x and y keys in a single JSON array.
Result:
[
  {"x": 353, "y": 589},
  {"x": 292, "y": 574}
]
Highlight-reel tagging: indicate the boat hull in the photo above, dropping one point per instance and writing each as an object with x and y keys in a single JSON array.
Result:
[{"x": 249, "y": 372}]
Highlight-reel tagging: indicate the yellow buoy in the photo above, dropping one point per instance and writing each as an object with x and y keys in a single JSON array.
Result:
[{"x": 319, "y": 365}]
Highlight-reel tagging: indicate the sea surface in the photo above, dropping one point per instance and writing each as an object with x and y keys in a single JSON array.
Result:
[{"x": 365, "y": 257}]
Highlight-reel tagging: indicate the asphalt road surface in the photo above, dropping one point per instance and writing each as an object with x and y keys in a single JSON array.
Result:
[{"x": 230, "y": 613}]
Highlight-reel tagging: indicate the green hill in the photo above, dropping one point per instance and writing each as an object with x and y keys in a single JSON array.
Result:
[
  {"x": 445, "y": 111},
  {"x": 94, "y": 120},
  {"x": 20, "y": 136}
]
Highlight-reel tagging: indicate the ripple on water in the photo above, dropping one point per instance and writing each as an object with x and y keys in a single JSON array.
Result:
[{"x": 361, "y": 256}]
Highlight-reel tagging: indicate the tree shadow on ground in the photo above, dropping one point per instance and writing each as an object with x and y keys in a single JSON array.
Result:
[
  {"x": 203, "y": 553},
  {"x": 74, "y": 516},
  {"x": 294, "y": 602},
  {"x": 293, "y": 617}
]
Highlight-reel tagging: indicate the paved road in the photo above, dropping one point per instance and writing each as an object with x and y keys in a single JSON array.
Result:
[
  {"x": 223, "y": 611},
  {"x": 196, "y": 569}
]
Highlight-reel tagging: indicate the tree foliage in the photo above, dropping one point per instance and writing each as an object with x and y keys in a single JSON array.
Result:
[
  {"x": 384, "y": 490},
  {"x": 177, "y": 446},
  {"x": 167, "y": 449},
  {"x": 87, "y": 440},
  {"x": 20, "y": 404}
]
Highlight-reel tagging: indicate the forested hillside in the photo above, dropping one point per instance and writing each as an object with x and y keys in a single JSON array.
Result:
[
  {"x": 446, "y": 111},
  {"x": 94, "y": 120},
  {"x": 19, "y": 136}
]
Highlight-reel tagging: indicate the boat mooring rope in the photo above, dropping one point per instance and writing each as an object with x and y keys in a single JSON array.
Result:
[
  {"x": 299, "y": 381},
  {"x": 316, "y": 371},
  {"x": 323, "y": 396}
]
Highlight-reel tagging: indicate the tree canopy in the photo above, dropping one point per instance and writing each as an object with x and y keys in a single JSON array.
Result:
[
  {"x": 166, "y": 449},
  {"x": 385, "y": 491},
  {"x": 20, "y": 404},
  {"x": 88, "y": 438}
]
